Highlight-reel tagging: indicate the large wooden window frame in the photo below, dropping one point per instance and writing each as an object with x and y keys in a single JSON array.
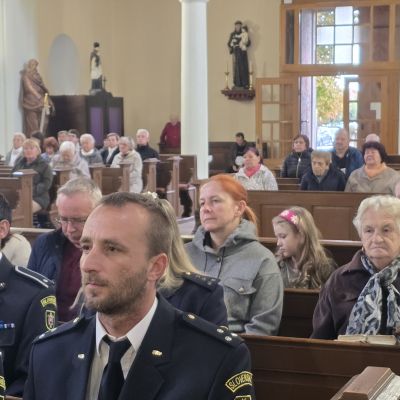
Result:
[{"x": 390, "y": 69}]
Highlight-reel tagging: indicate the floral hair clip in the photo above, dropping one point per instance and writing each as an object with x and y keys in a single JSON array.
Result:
[
  {"x": 290, "y": 217},
  {"x": 153, "y": 195}
]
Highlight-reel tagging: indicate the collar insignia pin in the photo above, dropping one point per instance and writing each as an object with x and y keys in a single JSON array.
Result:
[
  {"x": 156, "y": 353},
  {"x": 81, "y": 356}
]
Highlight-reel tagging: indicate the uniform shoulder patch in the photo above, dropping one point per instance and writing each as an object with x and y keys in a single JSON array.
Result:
[
  {"x": 221, "y": 333},
  {"x": 34, "y": 277},
  {"x": 61, "y": 329},
  {"x": 201, "y": 280}
]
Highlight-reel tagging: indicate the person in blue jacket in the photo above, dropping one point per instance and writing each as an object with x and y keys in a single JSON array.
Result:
[
  {"x": 345, "y": 157},
  {"x": 323, "y": 176}
]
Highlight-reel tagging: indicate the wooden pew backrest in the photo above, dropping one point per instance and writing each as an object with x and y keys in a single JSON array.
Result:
[
  {"x": 333, "y": 212},
  {"x": 309, "y": 369}
]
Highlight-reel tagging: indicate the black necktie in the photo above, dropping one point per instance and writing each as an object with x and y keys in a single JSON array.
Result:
[{"x": 113, "y": 378}]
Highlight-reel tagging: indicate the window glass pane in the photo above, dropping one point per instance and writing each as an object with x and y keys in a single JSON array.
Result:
[
  {"x": 289, "y": 37},
  {"x": 343, "y": 54},
  {"x": 325, "y": 35},
  {"x": 361, "y": 34},
  {"x": 381, "y": 33},
  {"x": 326, "y": 17},
  {"x": 344, "y": 35},
  {"x": 356, "y": 54},
  {"x": 353, "y": 111},
  {"x": 343, "y": 15},
  {"x": 353, "y": 91},
  {"x": 324, "y": 55}
]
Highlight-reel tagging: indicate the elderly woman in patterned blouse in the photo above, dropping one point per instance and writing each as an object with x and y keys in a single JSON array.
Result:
[{"x": 254, "y": 175}]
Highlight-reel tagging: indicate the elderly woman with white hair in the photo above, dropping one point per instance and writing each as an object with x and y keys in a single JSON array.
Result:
[
  {"x": 88, "y": 150},
  {"x": 68, "y": 157},
  {"x": 362, "y": 297},
  {"x": 128, "y": 154},
  {"x": 16, "y": 150}
]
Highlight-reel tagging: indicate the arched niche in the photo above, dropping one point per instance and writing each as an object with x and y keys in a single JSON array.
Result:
[{"x": 63, "y": 66}]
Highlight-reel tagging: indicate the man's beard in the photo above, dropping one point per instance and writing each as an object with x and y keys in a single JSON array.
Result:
[{"x": 122, "y": 298}]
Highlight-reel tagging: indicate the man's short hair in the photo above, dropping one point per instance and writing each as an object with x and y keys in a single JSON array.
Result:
[
  {"x": 59, "y": 133},
  {"x": 325, "y": 155},
  {"x": 240, "y": 134},
  {"x": 144, "y": 131},
  {"x": 5, "y": 209},
  {"x": 81, "y": 185},
  {"x": 113, "y": 134},
  {"x": 341, "y": 131},
  {"x": 158, "y": 240}
]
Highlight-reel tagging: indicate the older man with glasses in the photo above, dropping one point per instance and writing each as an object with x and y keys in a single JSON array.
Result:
[{"x": 56, "y": 254}]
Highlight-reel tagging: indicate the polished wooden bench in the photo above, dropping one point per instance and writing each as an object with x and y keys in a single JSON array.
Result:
[
  {"x": 18, "y": 189},
  {"x": 111, "y": 180},
  {"x": 310, "y": 369},
  {"x": 333, "y": 212}
]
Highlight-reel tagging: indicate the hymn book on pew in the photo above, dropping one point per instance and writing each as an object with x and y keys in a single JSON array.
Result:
[{"x": 388, "y": 340}]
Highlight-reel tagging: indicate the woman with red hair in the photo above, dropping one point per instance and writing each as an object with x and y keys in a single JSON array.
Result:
[{"x": 226, "y": 247}]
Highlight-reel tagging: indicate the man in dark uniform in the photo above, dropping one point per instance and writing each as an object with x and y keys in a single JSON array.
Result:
[
  {"x": 169, "y": 354},
  {"x": 27, "y": 309}
]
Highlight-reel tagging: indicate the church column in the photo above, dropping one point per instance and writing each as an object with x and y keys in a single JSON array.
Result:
[
  {"x": 194, "y": 83},
  {"x": 18, "y": 35}
]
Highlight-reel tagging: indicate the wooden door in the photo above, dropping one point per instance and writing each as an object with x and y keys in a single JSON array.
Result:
[{"x": 277, "y": 115}]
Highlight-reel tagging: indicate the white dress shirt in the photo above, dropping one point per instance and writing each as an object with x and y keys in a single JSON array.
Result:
[{"x": 100, "y": 357}]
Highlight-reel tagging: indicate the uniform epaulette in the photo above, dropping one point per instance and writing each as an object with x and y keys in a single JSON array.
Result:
[
  {"x": 66, "y": 327},
  {"x": 202, "y": 280},
  {"x": 34, "y": 276},
  {"x": 221, "y": 333}
]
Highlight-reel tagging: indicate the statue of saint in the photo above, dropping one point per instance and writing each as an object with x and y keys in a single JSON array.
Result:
[
  {"x": 96, "y": 72},
  {"x": 238, "y": 43},
  {"x": 36, "y": 103}
]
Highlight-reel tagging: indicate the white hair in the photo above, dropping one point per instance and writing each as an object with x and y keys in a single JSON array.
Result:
[
  {"x": 20, "y": 134},
  {"x": 67, "y": 146},
  {"x": 384, "y": 203},
  {"x": 87, "y": 136},
  {"x": 127, "y": 140},
  {"x": 142, "y": 130}
]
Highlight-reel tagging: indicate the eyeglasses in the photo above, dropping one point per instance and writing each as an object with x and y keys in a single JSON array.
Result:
[{"x": 72, "y": 221}]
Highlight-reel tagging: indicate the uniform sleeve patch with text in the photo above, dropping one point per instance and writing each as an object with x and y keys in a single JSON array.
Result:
[
  {"x": 239, "y": 380},
  {"x": 48, "y": 300}
]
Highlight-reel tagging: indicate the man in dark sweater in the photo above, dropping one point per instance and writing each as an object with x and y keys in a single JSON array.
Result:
[
  {"x": 323, "y": 176},
  {"x": 143, "y": 148},
  {"x": 238, "y": 149}
]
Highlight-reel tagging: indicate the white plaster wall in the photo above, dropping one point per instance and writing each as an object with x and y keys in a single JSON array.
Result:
[{"x": 18, "y": 43}]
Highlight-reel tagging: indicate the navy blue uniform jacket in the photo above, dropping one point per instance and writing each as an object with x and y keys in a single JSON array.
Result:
[
  {"x": 27, "y": 300},
  {"x": 181, "y": 357}
]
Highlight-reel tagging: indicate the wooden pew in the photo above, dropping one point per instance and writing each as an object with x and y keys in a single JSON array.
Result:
[
  {"x": 187, "y": 175},
  {"x": 115, "y": 179},
  {"x": 333, "y": 212},
  {"x": 309, "y": 369},
  {"x": 150, "y": 174},
  {"x": 298, "y": 311},
  {"x": 18, "y": 190},
  {"x": 173, "y": 189}
]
